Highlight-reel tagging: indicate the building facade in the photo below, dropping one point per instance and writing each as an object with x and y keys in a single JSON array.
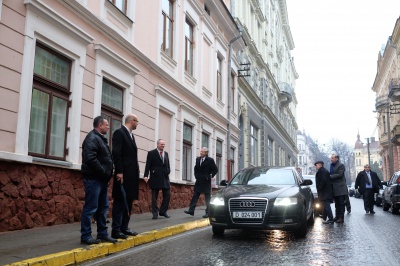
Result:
[
  {"x": 267, "y": 99},
  {"x": 305, "y": 157},
  {"x": 62, "y": 63},
  {"x": 387, "y": 89}
]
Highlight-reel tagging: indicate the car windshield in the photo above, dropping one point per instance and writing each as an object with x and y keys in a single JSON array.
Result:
[{"x": 264, "y": 176}]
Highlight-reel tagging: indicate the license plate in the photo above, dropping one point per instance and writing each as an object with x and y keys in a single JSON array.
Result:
[{"x": 247, "y": 215}]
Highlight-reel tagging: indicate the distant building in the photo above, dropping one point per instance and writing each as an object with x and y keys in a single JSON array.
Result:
[{"x": 305, "y": 156}]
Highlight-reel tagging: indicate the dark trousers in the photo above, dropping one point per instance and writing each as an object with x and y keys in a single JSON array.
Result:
[
  {"x": 368, "y": 199},
  {"x": 340, "y": 205},
  {"x": 195, "y": 198},
  {"x": 328, "y": 209},
  {"x": 348, "y": 206},
  {"x": 120, "y": 215},
  {"x": 165, "y": 201}
]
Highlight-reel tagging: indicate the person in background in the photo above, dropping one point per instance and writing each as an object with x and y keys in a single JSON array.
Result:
[
  {"x": 157, "y": 165},
  {"x": 368, "y": 183},
  {"x": 97, "y": 167},
  {"x": 324, "y": 189},
  {"x": 204, "y": 170}
]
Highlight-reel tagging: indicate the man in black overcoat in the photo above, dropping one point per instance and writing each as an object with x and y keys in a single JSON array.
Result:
[
  {"x": 157, "y": 165},
  {"x": 126, "y": 177},
  {"x": 324, "y": 189},
  {"x": 337, "y": 170},
  {"x": 368, "y": 183},
  {"x": 204, "y": 170}
]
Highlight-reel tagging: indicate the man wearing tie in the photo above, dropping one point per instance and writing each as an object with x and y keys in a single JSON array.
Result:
[
  {"x": 204, "y": 170},
  {"x": 126, "y": 177},
  {"x": 157, "y": 164},
  {"x": 368, "y": 183}
]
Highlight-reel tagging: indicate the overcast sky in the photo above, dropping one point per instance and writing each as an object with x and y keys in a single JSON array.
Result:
[{"x": 336, "y": 50}]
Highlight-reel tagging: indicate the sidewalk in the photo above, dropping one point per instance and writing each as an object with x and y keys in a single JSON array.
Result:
[{"x": 60, "y": 244}]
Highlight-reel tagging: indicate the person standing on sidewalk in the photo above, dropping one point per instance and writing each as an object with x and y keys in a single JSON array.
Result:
[
  {"x": 324, "y": 189},
  {"x": 338, "y": 180},
  {"x": 97, "y": 167},
  {"x": 157, "y": 164},
  {"x": 126, "y": 177},
  {"x": 368, "y": 183},
  {"x": 204, "y": 170}
]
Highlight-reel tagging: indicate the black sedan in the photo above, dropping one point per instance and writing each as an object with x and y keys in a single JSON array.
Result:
[{"x": 263, "y": 198}]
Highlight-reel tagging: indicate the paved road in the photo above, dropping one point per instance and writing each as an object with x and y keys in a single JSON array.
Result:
[{"x": 363, "y": 239}]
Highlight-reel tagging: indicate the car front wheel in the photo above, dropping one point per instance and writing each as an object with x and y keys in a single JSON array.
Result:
[
  {"x": 301, "y": 232},
  {"x": 218, "y": 230},
  {"x": 385, "y": 206}
]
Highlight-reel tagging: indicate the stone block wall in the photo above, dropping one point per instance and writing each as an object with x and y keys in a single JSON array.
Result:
[{"x": 35, "y": 196}]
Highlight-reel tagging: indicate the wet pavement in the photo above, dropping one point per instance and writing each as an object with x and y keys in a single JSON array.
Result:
[{"x": 364, "y": 239}]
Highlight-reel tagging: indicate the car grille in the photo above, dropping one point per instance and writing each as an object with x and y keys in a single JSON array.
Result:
[{"x": 248, "y": 205}]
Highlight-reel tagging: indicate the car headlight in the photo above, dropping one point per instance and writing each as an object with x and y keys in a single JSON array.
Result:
[
  {"x": 285, "y": 201},
  {"x": 217, "y": 201}
]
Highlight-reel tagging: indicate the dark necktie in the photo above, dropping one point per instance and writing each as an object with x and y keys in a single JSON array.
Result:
[
  {"x": 161, "y": 156},
  {"x": 367, "y": 179},
  {"x": 201, "y": 161}
]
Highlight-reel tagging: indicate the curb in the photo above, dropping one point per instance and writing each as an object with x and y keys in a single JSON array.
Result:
[{"x": 80, "y": 255}]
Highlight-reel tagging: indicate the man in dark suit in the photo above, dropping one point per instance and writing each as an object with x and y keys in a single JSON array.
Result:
[
  {"x": 368, "y": 183},
  {"x": 126, "y": 177},
  {"x": 324, "y": 189},
  {"x": 157, "y": 164},
  {"x": 338, "y": 180},
  {"x": 204, "y": 170}
]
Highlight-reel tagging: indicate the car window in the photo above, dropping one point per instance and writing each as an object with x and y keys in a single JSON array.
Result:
[
  {"x": 265, "y": 176},
  {"x": 238, "y": 179}
]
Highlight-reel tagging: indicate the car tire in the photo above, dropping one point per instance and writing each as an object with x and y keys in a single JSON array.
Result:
[
  {"x": 301, "y": 232},
  {"x": 218, "y": 230},
  {"x": 311, "y": 220},
  {"x": 385, "y": 206}
]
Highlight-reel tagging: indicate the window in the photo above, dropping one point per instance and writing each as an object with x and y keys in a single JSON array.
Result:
[
  {"x": 187, "y": 152},
  {"x": 120, "y": 4},
  {"x": 218, "y": 160},
  {"x": 111, "y": 107},
  {"x": 253, "y": 145},
  {"x": 50, "y": 103},
  {"x": 204, "y": 140},
  {"x": 270, "y": 152},
  {"x": 384, "y": 124},
  {"x": 300, "y": 160},
  {"x": 219, "y": 78},
  {"x": 232, "y": 92},
  {"x": 189, "y": 45},
  {"x": 168, "y": 26}
]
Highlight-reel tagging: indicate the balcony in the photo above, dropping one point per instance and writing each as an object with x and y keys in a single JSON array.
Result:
[
  {"x": 381, "y": 102},
  {"x": 394, "y": 89},
  {"x": 286, "y": 93}
]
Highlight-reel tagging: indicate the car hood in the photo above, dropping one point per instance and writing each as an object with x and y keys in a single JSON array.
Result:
[{"x": 264, "y": 191}]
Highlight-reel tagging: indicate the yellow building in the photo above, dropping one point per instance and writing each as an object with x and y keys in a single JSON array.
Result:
[{"x": 361, "y": 154}]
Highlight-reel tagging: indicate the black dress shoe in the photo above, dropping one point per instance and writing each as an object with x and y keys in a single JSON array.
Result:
[
  {"x": 118, "y": 235},
  {"x": 335, "y": 219},
  {"x": 372, "y": 212},
  {"x": 107, "y": 239},
  {"x": 129, "y": 233},
  {"x": 90, "y": 241},
  {"x": 154, "y": 217},
  {"x": 189, "y": 212},
  {"x": 205, "y": 215},
  {"x": 165, "y": 215},
  {"x": 339, "y": 221}
]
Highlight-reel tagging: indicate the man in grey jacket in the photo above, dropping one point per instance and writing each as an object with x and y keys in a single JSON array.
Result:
[{"x": 339, "y": 186}]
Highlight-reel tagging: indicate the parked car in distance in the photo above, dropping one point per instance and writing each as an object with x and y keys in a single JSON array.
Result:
[
  {"x": 391, "y": 194},
  {"x": 318, "y": 205},
  {"x": 263, "y": 198},
  {"x": 352, "y": 191},
  {"x": 378, "y": 197}
]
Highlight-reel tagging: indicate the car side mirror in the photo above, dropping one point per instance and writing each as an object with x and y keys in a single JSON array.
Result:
[
  {"x": 306, "y": 182},
  {"x": 384, "y": 183},
  {"x": 223, "y": 183}
]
